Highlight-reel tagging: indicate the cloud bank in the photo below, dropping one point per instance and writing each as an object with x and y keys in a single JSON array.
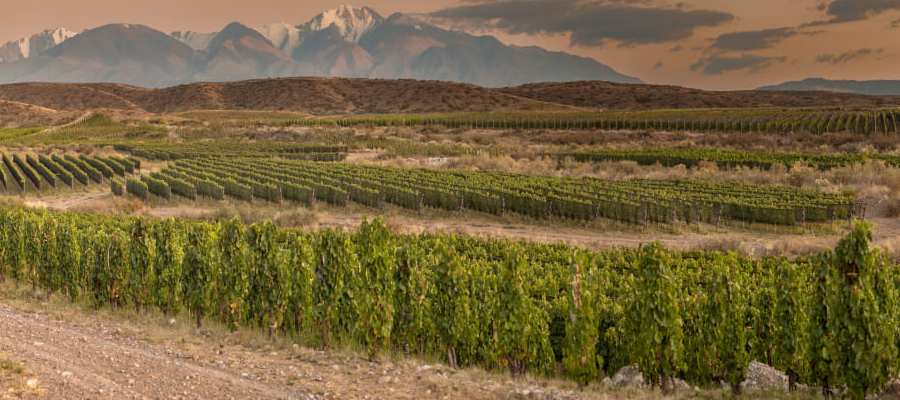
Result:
[{"x": 590, "y": 23}]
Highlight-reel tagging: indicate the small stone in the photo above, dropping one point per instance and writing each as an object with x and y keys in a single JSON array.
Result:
[
  {"x": 763, "y": 377},
  {"x": 32, "y": 383},
  {"x": 629, "y": 376},
  {"x": 66, "y": 374},
  {"x": 892, "y": 391},
  {"x": 681, "y": 384}
]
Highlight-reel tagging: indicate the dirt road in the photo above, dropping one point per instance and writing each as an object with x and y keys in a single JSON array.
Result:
[
  {"x": 67, "y": 352},
  {"x": 96, "y": 361}
]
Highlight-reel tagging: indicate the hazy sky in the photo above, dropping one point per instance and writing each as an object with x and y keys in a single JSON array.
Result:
[{"x": 714, "y": 44}]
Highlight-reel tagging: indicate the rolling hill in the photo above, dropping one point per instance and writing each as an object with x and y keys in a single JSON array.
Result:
[
  {"x": 329, "y": 96},
  {"x": 873, "y": 88},
  {"x": 309, "y": 95},
  {"x": 598, "y": 94}
]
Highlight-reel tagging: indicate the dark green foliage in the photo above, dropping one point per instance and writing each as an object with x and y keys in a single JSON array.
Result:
[
  {"x": 117, "y": 187},
  {"x": 157, "y": 186},
  {"x": 137, "y": 188},
  {"x": 828, "y": 320},
  {"x": 27, "y": 171},
  {"x": 61, "y": 173},
  {"x": 42, "y": 170},
  {"x": 99, "y": 165},
  {"x": 71, "y": 168},
  {"x": 632, "y": 201}
]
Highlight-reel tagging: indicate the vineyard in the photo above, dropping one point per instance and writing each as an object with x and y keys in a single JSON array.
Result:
[
  {"x": 21, "y": 173},
  {"x": 726, "y": 158},
  {"x": 94, "y": 128},
  {"x": 631, "y": 201},
  {"x": 292, "y": 151},
  {"x": 744, "y": 120},
  {"x": 829, "y": 321}
]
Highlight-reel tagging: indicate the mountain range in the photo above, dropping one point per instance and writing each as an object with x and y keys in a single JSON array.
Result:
[
  {"x": 33, "y": 45},
  {"x": 343, "y": 42},
  {"x": 872, "y": 88}
]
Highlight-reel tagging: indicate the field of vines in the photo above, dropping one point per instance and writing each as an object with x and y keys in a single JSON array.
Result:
[
  {"x": 313, "y": 152},
  {"x": 631, "y": 201},
  {"x": 771, "y": 120},
  {"x": 726, "y": 158},
  {"x": 829, "y": 321},
  {"x": 97, "y": 128},
  {"x": 35, "y": 173}
]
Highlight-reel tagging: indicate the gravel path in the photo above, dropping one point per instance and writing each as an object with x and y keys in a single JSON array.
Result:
[
  {"x": 99, "y": 362},
  {"x": 68, "y": 352}
]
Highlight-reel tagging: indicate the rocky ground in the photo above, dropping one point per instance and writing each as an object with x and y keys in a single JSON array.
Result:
[
  {"x": 53, "y": 350},
  {"x": 57, "y": 351}
]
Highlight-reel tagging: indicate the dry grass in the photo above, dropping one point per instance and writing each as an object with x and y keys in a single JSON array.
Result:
[
  {"x": 15, "y": 114},
  {"x": 288, "y": 217},
  {"x": 891, "y": 247},
  {"x": 14, "y": 380},
  {"x": 110, "y": 206},
  {"x": 10, "y": 367}
]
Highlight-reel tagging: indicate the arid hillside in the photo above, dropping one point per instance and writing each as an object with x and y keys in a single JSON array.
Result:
[
  {"x": 311, "y": 95},
  {"x": 73, "y": 96},
  {"x": 16, "y": 114},
  {"x": 330, "y": 96},
  {"x": 599, "y": 94}
]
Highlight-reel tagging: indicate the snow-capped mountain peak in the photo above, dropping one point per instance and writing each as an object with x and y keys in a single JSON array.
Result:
[
  {"x": 196, "y": 40},
  {"x": 284, "y": 36},
  {"x": 34, "y": 44},
  {"x": 59, "y": 35},
  {"x": 351, "y": 22}
]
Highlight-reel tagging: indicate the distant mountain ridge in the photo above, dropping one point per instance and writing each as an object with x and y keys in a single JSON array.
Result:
[
  {"x": 344, "y": 42},
  {"x": 872, "y": 87},
  {"x": 196, "y": 40},
  {"x": 121, "y": 53}
]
